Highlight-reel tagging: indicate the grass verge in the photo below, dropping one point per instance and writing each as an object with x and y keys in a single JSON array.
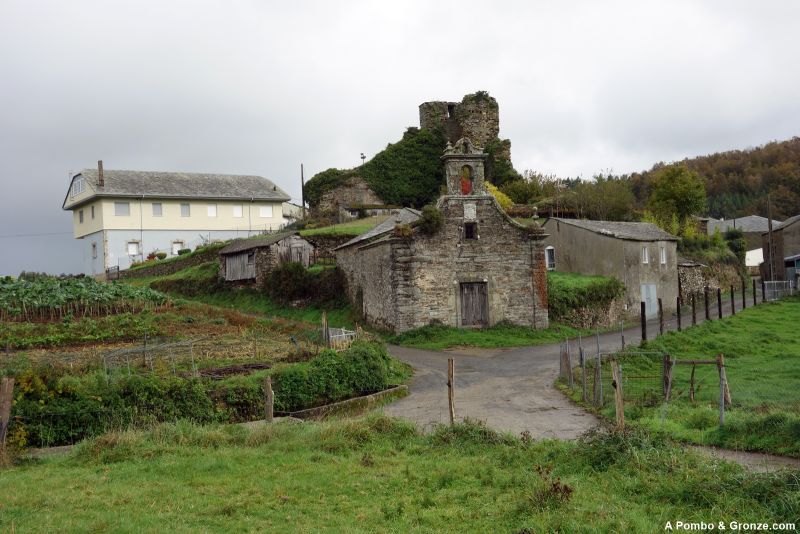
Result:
[
  {"x": 761, "y": 346},
  {"x": 378, "y": 474}
]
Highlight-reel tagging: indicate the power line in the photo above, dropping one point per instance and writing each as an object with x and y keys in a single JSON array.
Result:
[{"x": 33, "y": 235}]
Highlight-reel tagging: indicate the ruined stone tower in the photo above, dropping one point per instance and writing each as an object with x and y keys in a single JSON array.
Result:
[{"x": 476, "y": 117}]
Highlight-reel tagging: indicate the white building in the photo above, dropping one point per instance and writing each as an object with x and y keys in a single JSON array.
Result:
[{"x": 122, "y": 216}]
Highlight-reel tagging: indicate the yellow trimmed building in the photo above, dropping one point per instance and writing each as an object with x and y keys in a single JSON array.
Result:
[{"x": 122, "y": 216}]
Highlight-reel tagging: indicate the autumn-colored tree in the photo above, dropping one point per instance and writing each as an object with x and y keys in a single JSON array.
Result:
[{"x": 677, "y": 191}]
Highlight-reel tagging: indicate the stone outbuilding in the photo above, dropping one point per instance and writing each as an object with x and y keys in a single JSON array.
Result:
[
  {"x": 479, "y": 268},
  {"x": 786, "y": 248},
  {"x": 251, "y": 260},
  {"x": 640, "y": 255},
  {"x": 751, "y": 226}
]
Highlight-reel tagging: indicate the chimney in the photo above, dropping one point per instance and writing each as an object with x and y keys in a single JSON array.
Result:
[{"x": 100, "y": 180}]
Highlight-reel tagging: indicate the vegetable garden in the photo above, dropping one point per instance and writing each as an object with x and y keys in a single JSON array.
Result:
[{"x": 51, "y": 299}]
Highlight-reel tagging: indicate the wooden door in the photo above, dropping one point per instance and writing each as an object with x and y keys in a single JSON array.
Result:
[{"x": 474, "y": 304}]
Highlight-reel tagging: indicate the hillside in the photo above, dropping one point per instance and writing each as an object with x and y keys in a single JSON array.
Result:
[
  {"x": 410, "y": 172},
  {"x": 738, "y": 181}
]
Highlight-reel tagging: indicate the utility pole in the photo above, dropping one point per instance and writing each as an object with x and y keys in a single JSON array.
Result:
[
  {"x": 302, "y": 192},
  {"x": 769, "y": 234}
]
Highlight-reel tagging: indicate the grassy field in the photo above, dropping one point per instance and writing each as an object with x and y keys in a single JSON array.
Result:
[
  {"x": 443, "y": 337},
  {"x": 379, "y": 475},
  {"x": 761, "y": 346},
  {"x": 354, "y": 228}
]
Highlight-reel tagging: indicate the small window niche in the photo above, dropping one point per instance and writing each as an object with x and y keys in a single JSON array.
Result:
[
  {"x": 470, "y": 230},
  {"x": 251, "y": 258}
]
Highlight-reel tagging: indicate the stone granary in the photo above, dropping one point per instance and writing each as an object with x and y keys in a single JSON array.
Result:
[
  {"x": 479, "y": 268},
  {"x": 251, "y": 260},
  {"x": 640, "y": 255}
]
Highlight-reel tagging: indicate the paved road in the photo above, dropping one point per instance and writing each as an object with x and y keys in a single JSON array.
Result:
[{"x": 512, "y": 389}]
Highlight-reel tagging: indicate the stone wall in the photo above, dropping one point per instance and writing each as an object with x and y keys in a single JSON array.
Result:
[
  {"x": 354, "y": 191},
  {"x": 325, "y": 243},
  {"x": 400, "y": 284},
  {"x": 596, "y": 316},
  {"x": 477, "y": 117},
  {"x": 163, "y": 268}
]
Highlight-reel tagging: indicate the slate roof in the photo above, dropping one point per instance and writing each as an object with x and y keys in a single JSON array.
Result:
[
  {"x": 240, "y": 245},
  {"x": 634, "y": 231},
  {"x": 404, "y": 216},
  {"x": 157, "y": 184},
  {"x": 787, "y": 222},
  {"x": 751, "y": 223}
]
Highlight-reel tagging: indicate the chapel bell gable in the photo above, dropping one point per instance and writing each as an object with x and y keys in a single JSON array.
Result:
[{"x": 464, "y": 168}]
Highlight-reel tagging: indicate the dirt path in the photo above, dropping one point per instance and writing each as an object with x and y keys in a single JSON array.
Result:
[{"x": 509, "y": 389}]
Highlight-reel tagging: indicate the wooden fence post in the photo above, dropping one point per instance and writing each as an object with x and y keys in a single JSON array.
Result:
[
  {"x": 665, "y": 374},
  {"x": 644, "y": 320},
  {"x": 691, "y": 384},
  {"x": 733, "y": 301},
  {"x": 679, "y": 314},
  {"x": 451, "y": 401},
  {"x": 694, "y": 312},
  {"x": 660, "y": 317},
  {"x": 269, "y": 400},
  {"x": 569, "y": 367},
  {"x": 705, "y": 302},
  {"x": 583, "y": 374},
  {"x": 763, "y": 290},
  {"x": 326, "y": 332},
  {"x": 744, "y": 295},
  {"x": 619, "y": 400},
  {"x": 719, "y": 302},
  {"x": 721, "y": 369},
  {"x": 755, "y": 301},
  {"x": 598, "y": 385},
  {"x": 6, "y": 398}
]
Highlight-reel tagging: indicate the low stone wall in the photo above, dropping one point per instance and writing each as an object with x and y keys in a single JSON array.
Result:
[
  {"x": 598, "y": 316},
  {"x": 163, "y": 268},
  {"x": 355, "y": 406},
  {"x": 694, "y": 279},
  {"x": 325, "y": 243}
]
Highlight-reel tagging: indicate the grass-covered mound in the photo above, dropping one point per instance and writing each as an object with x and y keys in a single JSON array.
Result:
[
  {"x": 380, "y": 475},
  {"x": 761, "y": 346},
  {"x": 438, "y": 337},
  {"x": 577, "y": 298}
]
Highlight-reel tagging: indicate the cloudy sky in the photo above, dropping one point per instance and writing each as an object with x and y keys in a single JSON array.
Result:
[{"x": 258, "y": 87}]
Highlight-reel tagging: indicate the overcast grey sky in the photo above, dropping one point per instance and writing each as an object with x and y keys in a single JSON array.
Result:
[{"x": 259, "y": 87}]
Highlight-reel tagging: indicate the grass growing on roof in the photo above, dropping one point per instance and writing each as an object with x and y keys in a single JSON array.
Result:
[
  {"x": 353, "y": 228},
  {"x": 378, "y": 474},
  {"x": 761, "y": 346}
]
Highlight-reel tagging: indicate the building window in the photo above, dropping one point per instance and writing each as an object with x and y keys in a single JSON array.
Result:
[
  {"x": 663, "y": 255},
  {"x": 176, "y": 246},
  {"x": 470, "y": 230},
  {"x": 186, "y": 210},
  {"x": 550, "y": 257},
  {"x": 237, "y": 211},
  {"x": 158, "y": 209},
  {"x": 265, "y": 211},
  {"x": 212, "y": 210},
  {"x": 78, "y": 186},
  {"x": 80, "y": 216},
  {"x": 645, "y": 254},
  {"x": 122, "y": 209},
  {"x": 92, "y": 212},
  {"x": 251, "y": 258},
  {"x": 133, "y": 248},
  {"x": 94, "y": 251}
]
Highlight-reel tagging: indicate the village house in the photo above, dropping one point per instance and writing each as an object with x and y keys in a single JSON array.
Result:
[
  {"x": 751, "y": 226},
  {"x": 251, "y": 260},
  {"x": 478, "y": 269},
  {"x": 786, "y": 247},
  {"x": 640, "y": 255},
  {"x": 122, "y": 216}
]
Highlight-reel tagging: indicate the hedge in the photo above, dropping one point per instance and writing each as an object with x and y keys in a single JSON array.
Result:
[
  {"x": 53, "y": 408},
  {"x": 567, "y": 292}
]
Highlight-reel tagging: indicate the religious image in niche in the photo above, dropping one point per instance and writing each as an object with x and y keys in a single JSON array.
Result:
[{"x": 466, "y": 180}]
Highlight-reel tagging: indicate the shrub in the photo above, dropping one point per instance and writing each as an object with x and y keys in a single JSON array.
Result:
[
  {"x": 431, "y": 220},
  {"x": 183, "y": 251},
  {"x": 152, "y": 256},
  {"x": 161, "y": 255},
  {"x": 287, "y": 282},
  {"x": 567, "y": 292}
]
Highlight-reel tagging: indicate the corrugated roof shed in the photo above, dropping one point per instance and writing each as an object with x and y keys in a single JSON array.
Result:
[
  {"x": 635, "y": 231},
  {"x": 241, "y": 245}
]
